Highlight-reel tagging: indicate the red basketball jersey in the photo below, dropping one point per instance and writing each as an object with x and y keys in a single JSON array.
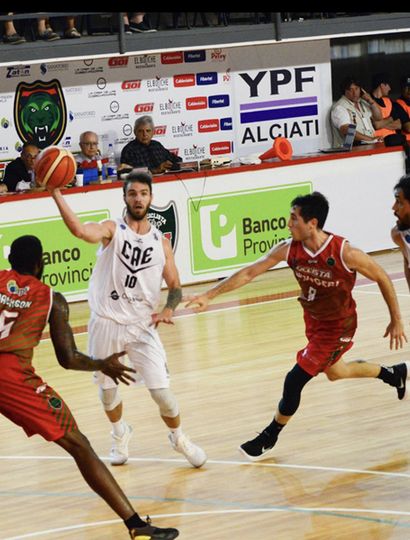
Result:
[
  {"x": 326, "y": 282},
  {"x": 25, "y": 304}
]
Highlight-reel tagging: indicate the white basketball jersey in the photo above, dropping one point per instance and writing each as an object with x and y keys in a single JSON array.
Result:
[
  {"x": 125, "y": 284},
  {"x": 405, "y": 235}
]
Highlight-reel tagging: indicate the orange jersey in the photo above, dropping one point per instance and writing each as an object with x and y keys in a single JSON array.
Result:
[
  {"x": 25, "y": 304},
  {"x": 325, "y": 281}
]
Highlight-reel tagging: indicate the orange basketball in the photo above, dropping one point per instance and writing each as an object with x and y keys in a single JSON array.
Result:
[{"x": 54, "y": 167}]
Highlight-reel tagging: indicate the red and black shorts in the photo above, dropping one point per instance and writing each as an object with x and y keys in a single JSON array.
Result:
[
  {"x": 328, "y": 341},
  {"x": 30, "y": 403}
]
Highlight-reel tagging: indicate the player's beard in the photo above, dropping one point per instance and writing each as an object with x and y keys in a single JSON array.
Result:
[
  {"x": 137, "y": 215},
  {"x": 402, "y": 226}
]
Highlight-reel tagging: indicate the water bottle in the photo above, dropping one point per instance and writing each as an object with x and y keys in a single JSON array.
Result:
[{"x": 111, "y": 165}]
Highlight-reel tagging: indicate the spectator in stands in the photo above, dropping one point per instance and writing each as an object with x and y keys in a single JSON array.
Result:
[
  {"x": 71, "y": 31},
  {"x": 135, "y": 22},
  {"x": 357, "y": 107},
  {"x": 46, "y": 33},
  {"x": 44, "y": 30},
  {"x": 90, "y": 152},
  {"x": 404, "y": 100},
  {"x": 19, "y": 173},
  {"x": 90, "y": 162},
  {"x": 11, "y": 35},
  {"x": 394, "y": 117},
  {"x": 143, "y": 151}
]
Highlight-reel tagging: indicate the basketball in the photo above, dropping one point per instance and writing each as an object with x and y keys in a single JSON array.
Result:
[{"x": 54, "y": 167}]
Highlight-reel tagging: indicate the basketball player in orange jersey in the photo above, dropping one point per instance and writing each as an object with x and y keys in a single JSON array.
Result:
[
  {"x": 26, "y": 305},
  {"x": 325, "y": 266}
]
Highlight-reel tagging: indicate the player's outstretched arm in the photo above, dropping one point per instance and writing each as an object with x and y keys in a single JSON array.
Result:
[
  {"x": 90, "y": 232},
  {"x": 70, "y": 357},
  {"x": 239, "y": 278}
]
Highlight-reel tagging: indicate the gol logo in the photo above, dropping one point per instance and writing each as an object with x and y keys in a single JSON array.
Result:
[
  {"x": 118, "y": 61},
  {"x": 160, "y": 130},
  {"x": 144, "y": 107},
  {"x": 131, "y": 85}
]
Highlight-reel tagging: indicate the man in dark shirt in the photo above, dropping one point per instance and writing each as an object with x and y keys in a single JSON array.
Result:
[
  {"x": 19, "y": 173},
  {"x": 144, "y": 152}
]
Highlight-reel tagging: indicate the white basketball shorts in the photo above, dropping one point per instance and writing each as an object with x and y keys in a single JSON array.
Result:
[{"x": 142, "y": 344}]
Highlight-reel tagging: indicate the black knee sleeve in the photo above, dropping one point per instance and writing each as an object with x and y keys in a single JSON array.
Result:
[{"x": 295, "y": 380}]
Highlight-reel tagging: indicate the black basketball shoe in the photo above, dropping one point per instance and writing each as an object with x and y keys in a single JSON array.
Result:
[
  {"x": 258, "y": 448},
  {"x": 402, "y": 371},
  {"x": 149, "y": 532}
]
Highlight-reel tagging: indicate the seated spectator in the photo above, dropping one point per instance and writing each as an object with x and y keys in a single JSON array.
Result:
[
  {"x": 143, "y": 151},
  {"x": 90, "y": 161},
  {"x": 90, "y": 152},
  {"x": 394, "y": 117},
  {"x": 44, "y": 30},
  {"x": 71, "y": 31},
  {"x": 357, "y": 107},
  {"x": 11, "y": 35},
  {"x": 404, "y": 102},
  {"x": 19, "y": 173},
  {"x": 134, "y": 22}
]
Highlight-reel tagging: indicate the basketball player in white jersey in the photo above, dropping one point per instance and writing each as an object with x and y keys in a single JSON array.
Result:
[
  {"x": 124, "y": 291},
  {"x": 401, "y": 232}
]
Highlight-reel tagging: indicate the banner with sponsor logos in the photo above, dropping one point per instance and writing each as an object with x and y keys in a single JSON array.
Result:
[
  {"x": 233, "y": 229},
  {"x": 204, "y": 103},
  {"x": 215, "y": 223}
]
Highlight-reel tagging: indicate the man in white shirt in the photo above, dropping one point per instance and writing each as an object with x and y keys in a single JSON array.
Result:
[{"x": 357, "y": 107}]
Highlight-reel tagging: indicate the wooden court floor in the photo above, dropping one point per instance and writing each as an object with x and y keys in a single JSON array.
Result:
[{"x": 341, "y": 469}]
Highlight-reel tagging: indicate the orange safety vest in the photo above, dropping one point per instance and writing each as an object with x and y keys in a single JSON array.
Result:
[
  {"x": 386, "y": 111},
  {"x": 406, "y": 107}
]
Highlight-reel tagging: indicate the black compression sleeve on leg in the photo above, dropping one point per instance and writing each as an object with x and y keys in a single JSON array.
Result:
[{"x": 295, "y": 380}]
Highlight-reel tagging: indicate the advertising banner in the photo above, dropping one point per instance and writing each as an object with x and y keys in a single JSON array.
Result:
[
  {"x": 68, "y": 263},
  {"x": 204, "y": 103},
  {"x": 230, "y": 230}
]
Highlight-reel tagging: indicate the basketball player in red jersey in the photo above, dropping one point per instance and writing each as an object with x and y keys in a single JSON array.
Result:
[
  {"x": 26, "y": 305},
  {"x": 325, "y": 266}
]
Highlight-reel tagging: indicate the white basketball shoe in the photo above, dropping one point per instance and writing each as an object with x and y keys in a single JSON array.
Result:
[
  {"x": 119, "y": 448},
  {"x": 193, "y": 453}
]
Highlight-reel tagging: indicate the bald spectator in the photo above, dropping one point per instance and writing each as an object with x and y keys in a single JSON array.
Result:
[
  {"x": 90, "y": 152},
  {"x": 357, "y": 107},
  {"x": 19, "y": 173}
]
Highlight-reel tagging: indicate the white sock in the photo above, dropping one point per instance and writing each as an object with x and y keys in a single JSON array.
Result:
[
  {"x": 175, "y": 433},
  {"x": 118, "y": 428}
]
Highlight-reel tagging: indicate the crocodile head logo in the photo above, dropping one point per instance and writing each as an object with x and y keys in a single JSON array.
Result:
[{"x": 40, "y": 112}]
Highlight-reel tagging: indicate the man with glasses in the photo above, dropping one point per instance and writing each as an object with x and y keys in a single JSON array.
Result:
[
  {"x": 19, "y": 173},
  {"x": 90, "y": 161},
  {"x": 89, "y": 149}
]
